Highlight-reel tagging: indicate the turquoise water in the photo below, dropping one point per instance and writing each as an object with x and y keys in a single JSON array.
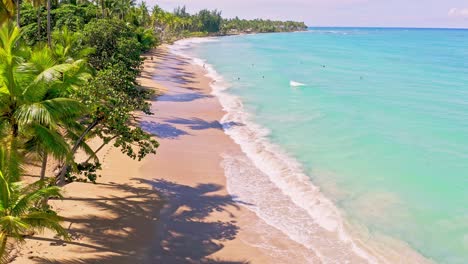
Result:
[{"x": 381, "y": 125}]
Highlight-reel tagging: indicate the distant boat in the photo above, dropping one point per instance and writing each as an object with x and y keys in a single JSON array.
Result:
[{"x": 295, "y": 84}]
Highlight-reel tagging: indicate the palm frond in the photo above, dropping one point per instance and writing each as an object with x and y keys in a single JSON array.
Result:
[
  {"x": 4, "y": 193},
  {"x": 49, "y": 112},
  {"x": 33, "y": 196},
  {"x": 46, "y": 220},
  {"x": 13, "y": 226},
  {"x": 48, "y": 140}
]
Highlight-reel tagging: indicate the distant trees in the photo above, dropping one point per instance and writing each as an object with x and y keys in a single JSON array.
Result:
[
  {"x": 237, "y": 25},
  {"x": 180, "y": 24}
]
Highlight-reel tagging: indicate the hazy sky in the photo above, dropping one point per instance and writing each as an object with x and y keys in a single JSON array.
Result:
[{"x": 389, "y": 13}]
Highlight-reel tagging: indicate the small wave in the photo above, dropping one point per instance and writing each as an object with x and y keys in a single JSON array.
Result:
[{"x": 296, "y": 84}]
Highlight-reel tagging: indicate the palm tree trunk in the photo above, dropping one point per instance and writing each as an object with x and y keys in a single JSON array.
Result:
[
  {"x": 18, "y": 12},
  {"x": 65, "y": 167},
  {"x": 44, "y": 164},
  {"x": 100, "y": 148},
  {"x": 103, "y": 9},
  {"x": 49, "y": 37},
  {"x": 39, "y": 23},
  {"x": 3, "y": 247}
]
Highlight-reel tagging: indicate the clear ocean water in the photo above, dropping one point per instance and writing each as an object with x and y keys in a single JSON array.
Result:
[{"x": 380, "y": 127}]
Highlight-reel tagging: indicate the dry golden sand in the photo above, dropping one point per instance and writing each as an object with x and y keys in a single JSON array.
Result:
[{"x": 172, "y": 207}]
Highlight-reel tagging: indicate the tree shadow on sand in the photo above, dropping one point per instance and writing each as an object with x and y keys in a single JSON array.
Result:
[
  {"x": 180, "y": 229},
  {"x": 182, "y": 97},
  {"x": 186, "y": 235},
  {"x": 195, "y": 123},
  {"x": 162, "y": 130}
]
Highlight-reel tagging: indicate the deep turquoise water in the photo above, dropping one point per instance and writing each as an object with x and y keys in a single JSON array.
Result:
[{"x": 381, "y": 125}]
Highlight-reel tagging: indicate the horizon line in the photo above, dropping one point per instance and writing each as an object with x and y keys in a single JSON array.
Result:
[{"x": 388, "y": 27}]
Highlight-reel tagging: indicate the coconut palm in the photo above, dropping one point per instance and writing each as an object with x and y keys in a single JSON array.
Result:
[
  {"x": 67, "y": 47},
  {"x": 32, "y": 96},
  {"x": 22, "y": 211}
]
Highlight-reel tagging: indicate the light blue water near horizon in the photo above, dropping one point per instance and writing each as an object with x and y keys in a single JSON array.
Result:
[{"x": 381, "y": 125}]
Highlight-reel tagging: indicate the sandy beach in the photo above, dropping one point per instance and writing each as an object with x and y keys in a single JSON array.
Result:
[{"x": 172, "y": 207}]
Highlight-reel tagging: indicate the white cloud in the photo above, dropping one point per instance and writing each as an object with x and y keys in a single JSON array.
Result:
[{"x": 458, "y": 12}]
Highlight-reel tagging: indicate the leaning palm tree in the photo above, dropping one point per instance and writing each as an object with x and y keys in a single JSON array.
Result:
[{"x": 22, "y": 211}]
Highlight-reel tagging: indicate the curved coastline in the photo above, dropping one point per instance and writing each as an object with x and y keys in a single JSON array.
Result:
[{"x": 296, "y": 193}]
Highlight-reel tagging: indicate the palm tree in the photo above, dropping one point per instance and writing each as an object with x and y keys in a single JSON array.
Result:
[
  {"x": 22, "y": 211},
  {"x": 32, "y": 97},
  {"x": 121, "y": 7},
  {"x": 67, "y": 48}
]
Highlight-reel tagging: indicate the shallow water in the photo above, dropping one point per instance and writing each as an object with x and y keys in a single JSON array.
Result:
[{"x": 380, "y": 127}]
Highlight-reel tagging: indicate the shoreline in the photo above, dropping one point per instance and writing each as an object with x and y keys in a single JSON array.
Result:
[
  {"x": 261, "y": 158},
  {"x": 187, "y": 117},
  {"x": 185, "y": 209},
  {"x": 172, "y": 207}
]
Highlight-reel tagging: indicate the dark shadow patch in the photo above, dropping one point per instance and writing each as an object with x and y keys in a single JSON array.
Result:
[
  {"x": 195, "y": 123},
  {"x": 162, "y": 130},
  {"x": 183, "y": 97},
  {"x": 181, "y": 228}
]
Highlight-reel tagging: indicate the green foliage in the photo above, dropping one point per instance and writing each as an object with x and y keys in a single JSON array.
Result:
[
  {"x": 74, "y": 17},
  {"x": 33, "y": 102},
  {"x": 85, "y": 172},
  {"x": 180, "y": 24},
  {"x": 7, "y": 10},
  {"x": 22, "y": 210},
  {"x": 113, "y": 97},
  {"x": 114, "y": 42},
  {"x": 236, "y": 25},
  {"x": 208, "y": 21},
  {"x": 146, "y": 38}
]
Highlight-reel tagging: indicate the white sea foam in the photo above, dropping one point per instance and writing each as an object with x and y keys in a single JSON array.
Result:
[
  {"x": 295, "y": 84},
  {"x": 273, "y": 184}
]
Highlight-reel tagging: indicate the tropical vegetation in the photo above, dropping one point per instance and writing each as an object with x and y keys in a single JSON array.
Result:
[{"x": 68, "y": 74}]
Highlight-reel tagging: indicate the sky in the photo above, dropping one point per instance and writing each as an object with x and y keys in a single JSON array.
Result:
[{"x": 362, "y": 13}]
